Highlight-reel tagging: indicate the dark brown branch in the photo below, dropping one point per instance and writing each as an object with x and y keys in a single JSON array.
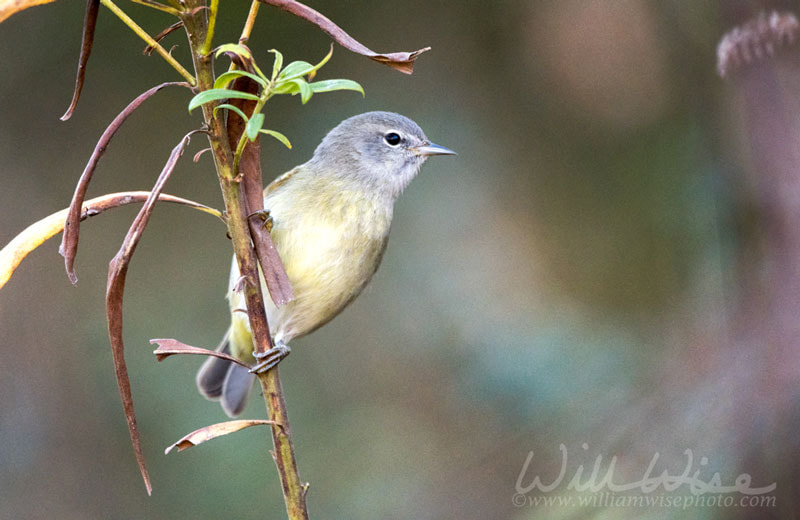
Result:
[
  {"x": 89, "y": 23},
  {"x": 402, "y": 61},
  {"x": 117, "y": 271},
  {"x": 69, "y": 242},
  {"x": 278, "y": 284}
]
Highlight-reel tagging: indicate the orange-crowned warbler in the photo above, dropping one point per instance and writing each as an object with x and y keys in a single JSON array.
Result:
[{"x": 330, "y": 223}]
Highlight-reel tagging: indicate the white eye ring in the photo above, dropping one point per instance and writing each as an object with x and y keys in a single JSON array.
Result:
[{"x": 392, "y": 138}]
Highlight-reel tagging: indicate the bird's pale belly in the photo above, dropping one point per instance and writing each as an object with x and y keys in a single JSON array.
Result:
[{"x": 328, "y": 265}]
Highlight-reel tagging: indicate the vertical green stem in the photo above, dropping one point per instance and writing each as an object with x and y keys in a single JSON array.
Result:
[
  {"x": 251, "y": 20},
  {"x": 212, "y": 23},
  {"x": 293, "y": 489}
]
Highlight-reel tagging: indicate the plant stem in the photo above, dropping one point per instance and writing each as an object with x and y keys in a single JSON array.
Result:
[
  {"x": 251, "y": 20},
  {"x": 212, "y": 23},
  {"x": 127, "y": 20},
  {"x": 230, "y": 183},
  {"x": 160, "y": 7}
]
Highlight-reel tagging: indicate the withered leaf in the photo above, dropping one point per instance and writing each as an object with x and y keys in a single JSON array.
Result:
[
  {"x": 212, "y": 432},
  {"x": 89, "y": 22},
  {"x": 69, "y": 242},
  {"x": 117, "y": 271},
  {"x": 9, "y": 7},
  {"x": 278, "y": 285},
  {"x": 168, "y": 347},
  {"x": 402, "y": 61},
  {"x": 37, "y": 233},
  {"x": 163, "y": 34}
]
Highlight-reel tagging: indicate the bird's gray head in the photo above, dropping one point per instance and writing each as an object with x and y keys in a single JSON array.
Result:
[{"x": 382, "y": 149}]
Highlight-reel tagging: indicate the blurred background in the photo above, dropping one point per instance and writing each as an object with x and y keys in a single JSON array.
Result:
[{"x": 605, "y": 265}]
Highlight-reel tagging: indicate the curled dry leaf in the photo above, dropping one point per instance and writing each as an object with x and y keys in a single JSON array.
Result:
[
  {"x": 278, "y": 285},
  {"x": 37, "y": 233},
  {"x": 198, "y": 154},
  {"x": 9, "y": 7},
  {"x": 168, "y": 347},
  {"x": 402, "y": 61},
  {"x": 212, "y": 432},
  {"x": 115, "y": 288},
  {"x": 69, "y": 242},
  {"x": 163, "y": 34},
  {"x": 89, "y": 22}
]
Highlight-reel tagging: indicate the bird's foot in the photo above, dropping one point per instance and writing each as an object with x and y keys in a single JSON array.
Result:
[
  {"x": 270, "y": 359},
  {"x": 265, "y": 217}
]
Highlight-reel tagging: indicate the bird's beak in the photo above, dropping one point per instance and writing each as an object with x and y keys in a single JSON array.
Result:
[{"x": 433, "y": 149}]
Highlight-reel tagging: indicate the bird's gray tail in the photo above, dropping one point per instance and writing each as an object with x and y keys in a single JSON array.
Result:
[{"x": 226, "y": 382}]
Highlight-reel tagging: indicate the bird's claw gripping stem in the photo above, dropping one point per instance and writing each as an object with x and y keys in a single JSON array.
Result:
[
  {"x": 265, "y": 217},
  {"x": 270, "y": 359}
]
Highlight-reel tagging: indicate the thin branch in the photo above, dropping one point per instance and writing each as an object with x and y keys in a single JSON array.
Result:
[
  {"x": 238, "y": 229},
  {"x": 212, "y": 23},
  {"x": 250, "y": 22},
  {"x": 141, "y": 33},
  {"x": 159, "y": 6}
]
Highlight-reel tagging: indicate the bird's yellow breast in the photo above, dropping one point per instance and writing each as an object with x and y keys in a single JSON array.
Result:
[{"x": 331, "y": 236}]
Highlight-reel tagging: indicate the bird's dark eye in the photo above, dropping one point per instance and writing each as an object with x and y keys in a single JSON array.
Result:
[{"x": 392, "y": 138}]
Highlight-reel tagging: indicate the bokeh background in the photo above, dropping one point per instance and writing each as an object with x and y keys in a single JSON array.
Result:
[{"x": 590, "y": 270}]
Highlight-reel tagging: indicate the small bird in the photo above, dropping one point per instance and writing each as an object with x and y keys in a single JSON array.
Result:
[{"x": 330, "y": 224}]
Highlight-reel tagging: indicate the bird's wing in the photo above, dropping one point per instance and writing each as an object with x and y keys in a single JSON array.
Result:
[{"x": 280, "y": 181}]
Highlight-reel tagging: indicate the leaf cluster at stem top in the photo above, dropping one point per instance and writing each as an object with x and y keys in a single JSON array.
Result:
[{"x": 296, "y": 78}]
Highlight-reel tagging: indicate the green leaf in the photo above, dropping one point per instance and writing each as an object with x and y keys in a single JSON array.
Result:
[
  {"x": 298, "y": 69},
  {"x": 330, "y": 85},
  {"x": 229, "y": 76},
  {"x": 234, "y": 48},
  {"x": 276, "y": 66},
  {"x": 289, "y": 87},
  {"x": 295, "y": 69},
  {"x": 277, "y": 135},
  {"x": 305, "y": 90},
  {"x": 218, "y": 93},
  {"x": 230, "y": 107},
  {"x": 294, "y": 87},
  {"x": 253, "y": 126}
]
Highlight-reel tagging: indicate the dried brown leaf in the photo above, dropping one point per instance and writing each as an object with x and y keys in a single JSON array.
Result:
[
  {"x": 402, "y": 61},
  {"x": 212, "y": 432},
  {"x": 9, "y": 7},
  {"x": 69, "y": 242},
  {"x": 163, "y": 34},
  {"x": 89, "y": 22},
  {"x": 37, "y": 233},
  {"x": 278, "y": 285},
  {"x": 168, "y": 347},
  {"x": 117, "y": 271},
  {"x": 198, "y": 154}
]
